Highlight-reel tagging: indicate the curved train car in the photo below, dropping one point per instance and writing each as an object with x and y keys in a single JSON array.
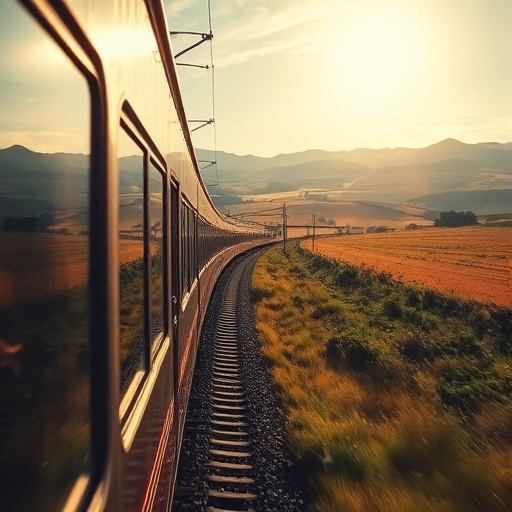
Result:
[{"x": 109, "y": 251}]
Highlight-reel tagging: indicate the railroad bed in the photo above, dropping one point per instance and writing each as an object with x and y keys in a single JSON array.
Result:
[{"x": 233, "y": 456}]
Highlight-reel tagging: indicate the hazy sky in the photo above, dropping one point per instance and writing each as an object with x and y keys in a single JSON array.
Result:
[{"x": 292, "y": 75}]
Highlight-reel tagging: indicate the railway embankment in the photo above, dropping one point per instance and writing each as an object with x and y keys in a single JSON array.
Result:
[{"x": 396, "y": 397}]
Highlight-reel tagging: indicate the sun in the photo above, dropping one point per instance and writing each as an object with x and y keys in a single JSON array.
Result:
[{"x": 377, "y": 59}]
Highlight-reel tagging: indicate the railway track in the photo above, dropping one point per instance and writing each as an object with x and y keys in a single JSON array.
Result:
[
  {"x": 233, "y": 456},
  {"x": 230, "y": 477}
]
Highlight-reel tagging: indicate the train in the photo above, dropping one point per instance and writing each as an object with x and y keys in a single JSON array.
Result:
[{"x": 110, "y": 247}]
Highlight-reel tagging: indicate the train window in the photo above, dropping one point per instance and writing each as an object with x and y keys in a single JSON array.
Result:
[
  {"x": 131, "y": 259},
  {"x": 185, "y": 265},
  {"x": 156, "y": 217},
  {"x": 44, "y": 268}
]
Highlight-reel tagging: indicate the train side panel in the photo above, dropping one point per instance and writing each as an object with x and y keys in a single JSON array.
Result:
[{"x": 109, "y": 251}]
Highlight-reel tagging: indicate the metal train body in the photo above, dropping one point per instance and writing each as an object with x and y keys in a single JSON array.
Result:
[{"x": 108, "y": 256}]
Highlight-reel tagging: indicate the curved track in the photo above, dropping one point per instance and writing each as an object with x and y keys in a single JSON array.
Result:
[{"x": 233, "y": 456}]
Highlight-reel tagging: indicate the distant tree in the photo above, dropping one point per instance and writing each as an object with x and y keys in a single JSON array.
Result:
[
  {"x": 455, "y": 219},
  {"x": 377, "y": 229}
]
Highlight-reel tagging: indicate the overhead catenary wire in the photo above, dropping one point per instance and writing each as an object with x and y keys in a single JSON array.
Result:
[{"x": 204, "y": 37}]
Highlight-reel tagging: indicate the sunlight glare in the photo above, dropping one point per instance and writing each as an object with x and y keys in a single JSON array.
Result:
[{"x": 377, "y": 59}]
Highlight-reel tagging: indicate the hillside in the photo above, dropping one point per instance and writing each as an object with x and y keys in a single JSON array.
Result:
[
  {"x": 377, "y": 175},
  {"x": 480, "y": 202},
  {"x": 447, "y": 175}
]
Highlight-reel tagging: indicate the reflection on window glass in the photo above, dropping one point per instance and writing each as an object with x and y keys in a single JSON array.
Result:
[
  {"x": 44, "y": 270},
  {"x": 185, "y": 265},
  {"x": 131, "y": 260},
  {"x": 156, "y": 250}
]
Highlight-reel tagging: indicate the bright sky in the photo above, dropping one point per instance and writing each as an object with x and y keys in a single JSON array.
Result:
[{"x": 292, "y": 75}]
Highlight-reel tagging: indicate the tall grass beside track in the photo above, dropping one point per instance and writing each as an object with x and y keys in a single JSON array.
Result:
[{"x": 397, "y": 398}]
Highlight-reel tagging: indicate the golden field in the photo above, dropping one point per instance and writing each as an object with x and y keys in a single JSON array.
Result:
[
  {"x": 469, "y": 262},
  {"x": 36, "y": 266}
]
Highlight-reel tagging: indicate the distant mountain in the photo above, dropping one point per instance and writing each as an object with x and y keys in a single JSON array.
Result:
[
  {"x": 29, "y": 181},
  {"x": 428, "y": 175},
  {"x": 399, "y": 182},
  {"x": 487, "y": 153},
  {"x": 317, "y": 173},
  {"x": 480, "y": 202},
  {"x": 384, "y": 175}
]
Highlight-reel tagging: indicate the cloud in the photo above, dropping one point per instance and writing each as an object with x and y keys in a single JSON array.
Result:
[{"x": 246, "y": 30}]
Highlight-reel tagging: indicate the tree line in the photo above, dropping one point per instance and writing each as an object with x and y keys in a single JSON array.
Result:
[{"x": 454, "y": 219}]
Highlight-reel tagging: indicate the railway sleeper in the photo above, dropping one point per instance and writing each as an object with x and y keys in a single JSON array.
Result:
[
  {"x": 238, "y": 499},
  {"x": 223, "y": 396},
  {"x": 235, "y": 480},
  {"x": 228, "y": 345},
  {"x": 229, "y": 454},
  {"x": 222, "y": 380},
  {"x": 229, "y": 442},
  {"x": 231, "y": 434},
  {"x": 229, "y": 355},
  {"x": 227, "y": 366},
  {"x": 224, "y": 407},
  {"x": 226, "y": 423},
  {"x": 227, "y": 386},
  {"x": 223, "y": 374}
]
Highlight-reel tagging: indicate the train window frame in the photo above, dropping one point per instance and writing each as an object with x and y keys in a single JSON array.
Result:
[
  {"x": 64, "y": 31},
  {"x": 137, "y": 379},
  {"x": 134, "y": 401},
  {"x": 158, "y": 340},
  {"x": 188, "y": 275}
]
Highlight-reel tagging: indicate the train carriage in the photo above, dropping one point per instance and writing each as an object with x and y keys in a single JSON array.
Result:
[{"x": 109, "y": 250}]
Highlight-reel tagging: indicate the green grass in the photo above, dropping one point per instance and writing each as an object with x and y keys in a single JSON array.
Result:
[{"x": 397, "y": 397}]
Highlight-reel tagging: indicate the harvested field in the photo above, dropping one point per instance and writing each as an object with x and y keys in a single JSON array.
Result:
[
  {"x": 469, "y": 262},
  {"x": 36, "y": 266}
]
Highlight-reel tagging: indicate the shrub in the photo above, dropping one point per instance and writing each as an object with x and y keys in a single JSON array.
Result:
[
  {"x": 347, "y": 276},
  {"x": 415, "y": 348},
  {"x": 258, "y": 293},
  {"x": 467, "y": 345},
  {"x": 466, "y": 385},
  {"x": 392, "y": 309},
  {"x": 433, "y": 300},
  {"x": 355, "y": 352},
  {"x": 413, "y": 298}
]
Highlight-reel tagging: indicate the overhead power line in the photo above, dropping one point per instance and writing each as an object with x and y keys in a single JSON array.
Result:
[{"x": 203, "y": 37}]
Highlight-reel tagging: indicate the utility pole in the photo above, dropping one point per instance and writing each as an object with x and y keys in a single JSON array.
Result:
[
  {"x": 313, "y": 220},
  {"x": 285, "y": 228}
]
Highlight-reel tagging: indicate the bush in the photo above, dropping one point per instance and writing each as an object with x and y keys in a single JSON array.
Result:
[
  {"x": 347, "y": 276},
  {"x": 392, "y": 309},
  {"x": 356, "y": 353},
  {"x": 415, "y": 348},
  {"x": 413, "y": 298},
  {"x": 466, "y": 385}
]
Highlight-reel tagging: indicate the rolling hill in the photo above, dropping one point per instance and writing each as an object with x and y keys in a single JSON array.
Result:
[
  {"x": 378, "y": 175},
  {"x": 448, "y": 175}
]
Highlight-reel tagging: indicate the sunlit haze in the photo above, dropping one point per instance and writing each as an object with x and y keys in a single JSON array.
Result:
[
  {"x": 342, "y": 74},
  {"x": 293, "y": 75}
]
